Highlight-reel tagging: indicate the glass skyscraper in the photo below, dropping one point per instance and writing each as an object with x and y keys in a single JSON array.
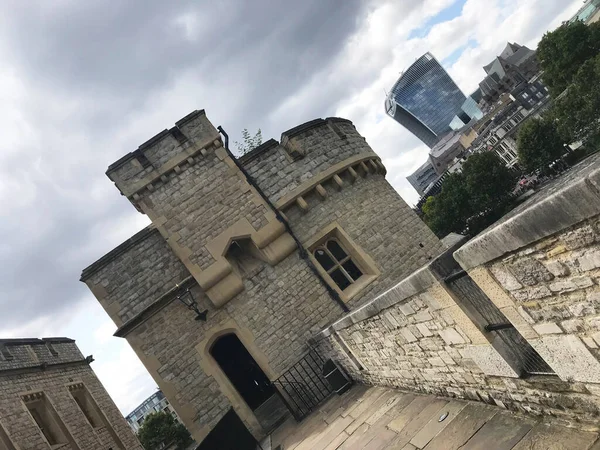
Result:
[{"x": 426, "y": 101}]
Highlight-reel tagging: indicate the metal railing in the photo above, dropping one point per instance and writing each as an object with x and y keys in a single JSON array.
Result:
[
  {"x": 303, "y": 385},
  {"x": 474, "y": 299}
]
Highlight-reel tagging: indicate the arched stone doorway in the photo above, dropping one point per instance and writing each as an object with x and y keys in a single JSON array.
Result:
[{"x": 249, "y": 380}]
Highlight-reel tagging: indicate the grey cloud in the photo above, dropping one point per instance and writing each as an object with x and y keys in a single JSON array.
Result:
[{"x": 101, "y": 64}]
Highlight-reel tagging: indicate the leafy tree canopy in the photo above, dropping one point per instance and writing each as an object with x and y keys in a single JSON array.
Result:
[
  {"x": 249, "y": 142},
  {"x": 577, "y": 111},
  {"x": 473, "y": 199},
  {"x": 160, "y": 429},
  {"x": 561, "y": 52},
  {"x": 539, "y": 144}
]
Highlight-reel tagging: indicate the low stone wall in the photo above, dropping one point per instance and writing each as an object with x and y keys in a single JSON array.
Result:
[{"x": 541, "y": 268}]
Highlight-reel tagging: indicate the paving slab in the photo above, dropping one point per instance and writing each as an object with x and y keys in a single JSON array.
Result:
[
  {"x": 553, "y": 437},
  {"x": 354, "y": 438},
  {"x": 339, "y": 440},
  {"x": 409, "y": 413},
  {"x": 504, "y": 430},
  {"x": 325, "y": 438},
  {"x": 465, "y": 425},
  {"x": 596, "y": 446},
  {"x": 384, "y": 408},
  {"x": 380, "y": 441},
  {"x": 395, "y": 410},
  {"x": 432, "y": 408},
  {"x": 434, "y": 426},
  {"x": 367, "y": 401}
]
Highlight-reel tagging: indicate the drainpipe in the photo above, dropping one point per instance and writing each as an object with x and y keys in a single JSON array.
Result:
[{"x": 303, "y": 252}]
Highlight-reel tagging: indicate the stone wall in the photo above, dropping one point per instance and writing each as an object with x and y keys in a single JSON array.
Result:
[
  {"x": 360, "y": 200},
  {"x": 32, "y": 366},
  {"x": 546, "y": 276},
  {"x": 131, "y": 277},
  {"x": 322, "y": 175},
  {"x": 419, "y": 336}
]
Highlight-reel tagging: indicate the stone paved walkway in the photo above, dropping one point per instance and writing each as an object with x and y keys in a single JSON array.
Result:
[{"x": 379, "y": 418}]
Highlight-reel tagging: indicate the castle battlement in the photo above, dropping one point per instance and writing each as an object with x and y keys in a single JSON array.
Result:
[{"x": 253, "y": 241}]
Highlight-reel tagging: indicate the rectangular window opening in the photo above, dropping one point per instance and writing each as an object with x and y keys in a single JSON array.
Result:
[
  {"x": 5, "y": 442},
  {"x": 88, "y": 407},
  {"x": 92, "y": 411},
  {"x": 46, "y": 419}
]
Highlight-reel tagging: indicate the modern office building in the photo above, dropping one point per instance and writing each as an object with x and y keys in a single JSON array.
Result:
[
  {"x": 421, "y": 178},
  {"x": 155, "y": 403},
  {"x": 425, "y": 100},
  {"x": 589, "y": 12}
]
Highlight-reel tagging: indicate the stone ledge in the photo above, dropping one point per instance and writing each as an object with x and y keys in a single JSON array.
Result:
[{"x": 568, "y": 200}]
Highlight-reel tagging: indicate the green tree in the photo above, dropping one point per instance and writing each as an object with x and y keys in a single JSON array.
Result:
[
  {"x": 160, "y": 429},
  {"x": 449, "y": 210},
  {"x": 473, "y": 199},
  {"x": 539, "y": 143},
  {"x": 561, "y": 52},
  {"x": 248, "y": 141},
  {"x": 577, "y": 111}
]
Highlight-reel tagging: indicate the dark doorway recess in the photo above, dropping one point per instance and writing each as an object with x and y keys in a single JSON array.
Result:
[
  {"x": 241, "y": 369},
  {"x": 229, "y": 434},
  {"x": 250, "y": 381}
]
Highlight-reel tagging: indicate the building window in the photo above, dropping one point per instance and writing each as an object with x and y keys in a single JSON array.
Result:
[
  {"x": 337, "y": 263},
  {"x": 92, "y": 411},
  {"x": 46, "y": 419},
  {"x": 341, "y": 261},
  {"x": 5, "y": 442},
  {"x": 87, "y": 405}
]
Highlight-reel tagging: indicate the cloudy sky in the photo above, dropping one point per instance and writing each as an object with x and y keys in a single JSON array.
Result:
[{"x": 83, "y": 82}]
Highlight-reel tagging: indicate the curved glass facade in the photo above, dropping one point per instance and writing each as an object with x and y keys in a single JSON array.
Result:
[{"x": 425, "y": 100}]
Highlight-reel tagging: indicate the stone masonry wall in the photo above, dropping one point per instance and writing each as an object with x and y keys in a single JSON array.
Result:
[
  {"x": 554, "y": 284},
  {"x": 367, "y": 208},
  {"x": 141, "y": 272},
  {"x": 379, "y": 221},
  {"x": 53, "y": 382},
  {"x": 279, "y": 316},
  {"x": 277, "y": 173},
  {"x": 426, "y": 342}
]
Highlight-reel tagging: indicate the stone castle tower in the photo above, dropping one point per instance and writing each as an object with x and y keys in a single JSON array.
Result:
[
  {"x": 274, "y": 246},
  {"x": 52, "y": 399}
]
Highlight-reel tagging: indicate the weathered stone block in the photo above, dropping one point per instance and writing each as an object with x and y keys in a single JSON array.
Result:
[
  {"x": 451, "y": 336},
  {"x": 557, "y": 268},
  {"x": 489, "y": 360},
  {"x": 580, "y": 237},
  {"x": 530, "y": 272},
  {"x": 547, "y": 328},
  {"x": 569, "y": 358},
  {"x": 589, "y": 261},
  {"x": 505, "y": 278},
  {"x": 406, "y": 309},
  {"x": 408, "y": 335},
  {"x": 533, "y": 293},
  {"x": 573, "y": 325}
]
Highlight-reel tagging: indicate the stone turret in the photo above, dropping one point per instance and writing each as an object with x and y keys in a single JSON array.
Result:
[{"x": 216, "y": 236}]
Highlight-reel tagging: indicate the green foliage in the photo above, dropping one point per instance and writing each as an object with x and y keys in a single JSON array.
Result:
[
  {"x": 249, "y": 142},
  {"x": 161, "y": 428},
  {"x": 577, "y": 111},
  {"x": 473, "y": 199},
  {"x": 562, "y": 51},
  {"x": 539, "y": 143}
]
